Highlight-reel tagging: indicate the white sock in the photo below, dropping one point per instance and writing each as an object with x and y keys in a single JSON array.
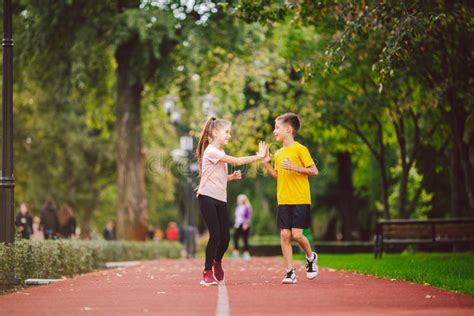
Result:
[
  {"x": 288, "y": 269},
  {"x": 313, "y": 256}
]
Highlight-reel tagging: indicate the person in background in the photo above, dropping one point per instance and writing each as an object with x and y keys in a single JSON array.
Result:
[
  {"x": 37, "y": 233},
  {"x": 24, "y": 222},
  {"x": 109, "y": 231},
  {"x": 243, "y": 219},
  {"x": 158, "y": 234},
  {"x": 172, "y": 232},
  {"x": 67, "y": 222},
  {"x": 150, "y": 233},
  {"x": 49, "y": 220}
]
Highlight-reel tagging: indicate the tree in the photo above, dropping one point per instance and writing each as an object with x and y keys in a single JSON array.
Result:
[
  {"x": 141, "y": 36},
  {"x": 430, "y": 41}
]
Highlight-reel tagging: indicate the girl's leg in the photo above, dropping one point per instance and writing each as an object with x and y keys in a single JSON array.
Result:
[
  {"x": 236, "y": 238},
  {"x": 286, "y": 248},
  {"x": 245, "y": 235},
  {"x": 209, "y": 213},
  {"x": 224, "y": 226}
]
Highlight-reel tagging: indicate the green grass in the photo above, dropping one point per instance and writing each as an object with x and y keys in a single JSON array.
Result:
[{"x": 452, "y": 271}]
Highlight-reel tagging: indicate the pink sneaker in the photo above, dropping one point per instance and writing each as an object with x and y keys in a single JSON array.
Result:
[
  {"x": 208, "y": 278},
  {"x": 218, "y": 271}
]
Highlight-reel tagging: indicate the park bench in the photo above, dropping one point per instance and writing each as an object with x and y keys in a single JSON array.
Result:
[{"x": 430, "y": 232}]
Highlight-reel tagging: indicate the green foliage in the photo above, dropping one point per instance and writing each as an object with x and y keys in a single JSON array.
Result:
[
  {"x": 345, "y": 68},
  {"x": 59, "y": 258}
]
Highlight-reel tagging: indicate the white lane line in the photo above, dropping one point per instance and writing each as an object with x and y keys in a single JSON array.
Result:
[{"x": 222, "y": 301}]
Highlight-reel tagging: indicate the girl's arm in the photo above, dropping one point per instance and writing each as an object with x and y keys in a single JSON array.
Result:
[
  {"x": 236, "y": 175},
  {"x": 238, "y": 161}
]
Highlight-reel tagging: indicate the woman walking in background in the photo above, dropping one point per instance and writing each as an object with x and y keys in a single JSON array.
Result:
[
  {"x": 67, "y": 222},
  {"x": 243, "y": 220},
  {"x": 49, "y": 220}
]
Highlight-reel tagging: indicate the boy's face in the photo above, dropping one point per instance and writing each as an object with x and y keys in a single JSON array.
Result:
[{"x": 282, "y": 131}]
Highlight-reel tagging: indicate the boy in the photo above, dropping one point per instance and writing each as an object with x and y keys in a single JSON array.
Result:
[{"x": 293, "y": 165}]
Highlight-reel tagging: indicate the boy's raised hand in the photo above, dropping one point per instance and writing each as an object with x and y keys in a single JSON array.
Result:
[{"x": 262, "y": 149}]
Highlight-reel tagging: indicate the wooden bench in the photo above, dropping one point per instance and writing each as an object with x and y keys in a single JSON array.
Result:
[{"x": 430, "y": 231}]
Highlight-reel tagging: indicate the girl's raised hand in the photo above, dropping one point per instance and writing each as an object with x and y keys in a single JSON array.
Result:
[
  {"x": 267, "y": 157},
  {"x": 262, "y": 149}
]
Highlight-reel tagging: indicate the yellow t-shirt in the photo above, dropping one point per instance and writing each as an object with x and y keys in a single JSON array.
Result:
[{"x": 293, "y": 187}]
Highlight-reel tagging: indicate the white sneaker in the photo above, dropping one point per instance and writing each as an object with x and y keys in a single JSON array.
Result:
[
  {"x": 312, "y": 267},
  {"x": 235, "y": 254},
  {"x": 290, "y": 277},
  {"x": 246, "y": 255}
]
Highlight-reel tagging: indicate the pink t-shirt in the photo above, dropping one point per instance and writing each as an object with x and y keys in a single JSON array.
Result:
[{"x": 214, "y": 174}]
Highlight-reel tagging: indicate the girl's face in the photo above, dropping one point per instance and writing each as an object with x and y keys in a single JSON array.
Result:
[
  {"x": 221, "y": 135},
  {"x": 281, "y": 131}
]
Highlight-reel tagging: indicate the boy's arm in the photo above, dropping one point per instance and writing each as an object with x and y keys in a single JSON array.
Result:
[
  {"x": 309, "y": 171},
  {"x": 268, "y": 166},
  {"x": 270, "y": 169}
]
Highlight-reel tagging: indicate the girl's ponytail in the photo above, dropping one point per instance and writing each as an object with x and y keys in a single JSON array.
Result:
[{"x": 204, "y": 140}]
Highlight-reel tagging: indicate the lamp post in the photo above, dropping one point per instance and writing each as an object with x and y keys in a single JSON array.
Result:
[
  {"x": 185, "y": 151},
  {"x": 208, "y": 105},
  {"x": 7, "y": 182}
]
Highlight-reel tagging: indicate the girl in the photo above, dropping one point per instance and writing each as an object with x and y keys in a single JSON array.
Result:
[
  {"x": 243, "y": 219},
  {"x": 212, "y": 191}
]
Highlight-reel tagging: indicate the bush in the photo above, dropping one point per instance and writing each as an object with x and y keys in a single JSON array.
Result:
[{"x": 58, "y": 258}]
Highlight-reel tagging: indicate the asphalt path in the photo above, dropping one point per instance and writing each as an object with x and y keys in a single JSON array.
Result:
[{"x": 171, "y": 287}]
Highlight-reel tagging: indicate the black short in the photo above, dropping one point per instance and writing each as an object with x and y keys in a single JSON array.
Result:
[{"x": 294, "y": 216}]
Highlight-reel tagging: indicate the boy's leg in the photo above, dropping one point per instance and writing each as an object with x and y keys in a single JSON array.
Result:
[
  {"x": 302, "y": 219},
  {"x": 297, "y": 234},
  {"x": 286, "y": 249}
]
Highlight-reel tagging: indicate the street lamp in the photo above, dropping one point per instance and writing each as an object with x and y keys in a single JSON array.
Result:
[
  {"x": 7, "y": 182},
  {"x": 185, "y": 151},
  {"x": 208, "y": 105}
]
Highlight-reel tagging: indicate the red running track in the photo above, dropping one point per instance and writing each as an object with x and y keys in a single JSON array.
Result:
[{"x": 171, "y": 287}]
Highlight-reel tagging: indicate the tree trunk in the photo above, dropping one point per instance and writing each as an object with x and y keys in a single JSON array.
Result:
[
  {"x": 458, "y": 207},
  {"x": 132, "y": 200},
  {"x": 399, "y": 124},
  {"x": 383, "y": 168},
  {"x": 86, "y": 224},
  {"x": 458, "y": 120},
  {"x": 346, "y": 200}
]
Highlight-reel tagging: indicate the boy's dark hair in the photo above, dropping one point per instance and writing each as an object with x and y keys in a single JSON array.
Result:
[{"x": 292, "y": 119}]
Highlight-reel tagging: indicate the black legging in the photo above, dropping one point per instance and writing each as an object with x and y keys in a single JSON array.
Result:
[
  {"x": 216, "y": 218},
  {"x": 240, "y": 232}
]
